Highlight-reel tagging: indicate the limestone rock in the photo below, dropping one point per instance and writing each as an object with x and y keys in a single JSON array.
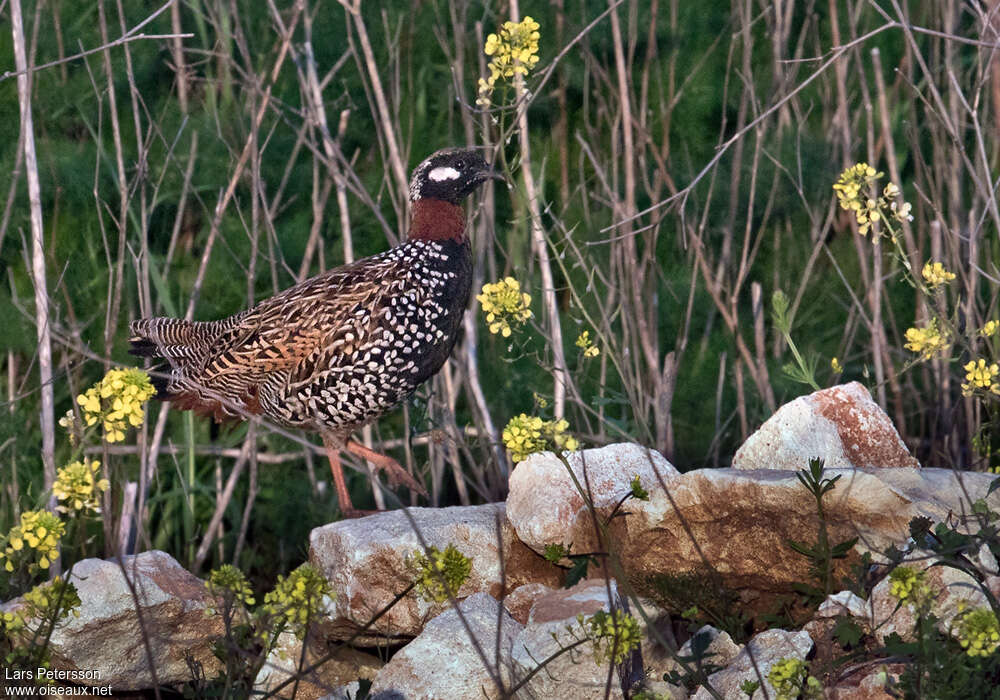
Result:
[
  {"x": 764, "y": 650},
  {"x": 282, "y": 663},
  {"x": 107, "y": 637},
  {"x": 736, "y": 523},
  {"x": 844, "y": 604},
  {"x": 442, "y": 661},
  {"x": 520, "y": 601},
  {"x": 545, "y": 507},
  {"x": 572, "y": 674},
  {"x": 365, "y": 561},
  {"x": 842, "y": 425}
]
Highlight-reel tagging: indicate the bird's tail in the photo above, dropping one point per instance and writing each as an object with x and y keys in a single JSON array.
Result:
[{"x": 175, "y": 340}]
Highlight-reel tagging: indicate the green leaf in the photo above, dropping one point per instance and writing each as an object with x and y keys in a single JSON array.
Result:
[{"x": 847, "y": 632}]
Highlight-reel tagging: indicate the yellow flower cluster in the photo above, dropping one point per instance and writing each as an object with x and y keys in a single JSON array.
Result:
[
  {"x": 989, "y": 329},
  {"x": 228, "y": 580},
  {"x": 908, "y": 585},
  {"x": 513, "y": 51},
  {"x": 440, "y": 574},
  {"x": 927, "y": 341},
  {"x": 935, "y": 274},
  {"x": 116, "y": 402},
  {"x": 613, "y": 635},
  {"x": 504, "y": 303},
  {"x": 50, "y": 601},
  {"x": 788, "y": 676},
  {"x": 978, "y": 632},
  {"x": 297, "y": 599},
  {"x": 835, "y": 365},
  {"x": 39, "y": 530},
  {"x": 525, "y": 435},
  {"x": 78, "y": 487},
  {"x": 584, "y": 342},
  {"x": 852, "y": 192},
  {"x": 980, "y": 375}
]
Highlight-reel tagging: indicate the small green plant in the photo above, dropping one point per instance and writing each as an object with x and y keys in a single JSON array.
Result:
[
  {"x": 440, "y": 574},
  {"x": 612, "y": 635},
  {"x": 822, "y": 554},
  {"x": 791, "y": 680},
  {"x": 26, "y": 630}
]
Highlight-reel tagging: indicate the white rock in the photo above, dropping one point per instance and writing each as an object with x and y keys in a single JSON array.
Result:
[
  {"x": 108, "y": 636},
  {"x": 842, "y": 425},
  {"x": 365, "y": 560},
  {"x": 573, "y": 674},
  {"x": 844, "y": 604},
  {"x": 443, "y": 662},
  {"x": 764, "y": 650}
]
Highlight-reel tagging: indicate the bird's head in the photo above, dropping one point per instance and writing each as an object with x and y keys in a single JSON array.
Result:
[{"x": 450, "y": 175}]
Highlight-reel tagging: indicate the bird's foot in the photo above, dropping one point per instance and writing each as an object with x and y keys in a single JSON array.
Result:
[{"x": 393, "y": 471}]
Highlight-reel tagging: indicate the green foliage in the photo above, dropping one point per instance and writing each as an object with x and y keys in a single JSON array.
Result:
[
  {"x": 791, "y": 680},
  {"x": 439, "y": 575},
  {"x": 27, "y": 628},
  {"x": 612, "y": 635},
  {"x": 822, "y": 554},
  {"x": 298, "y": 598}
]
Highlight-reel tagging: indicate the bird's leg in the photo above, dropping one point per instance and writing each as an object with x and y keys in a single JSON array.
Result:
[
  {"x": 395, "y": 473},
  {"x": 343, "y": 497}
]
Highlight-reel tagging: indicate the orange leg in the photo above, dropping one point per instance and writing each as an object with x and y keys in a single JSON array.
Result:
[
  {"x": 343, "y": 497},
  {"x": 395, "y": 473}
]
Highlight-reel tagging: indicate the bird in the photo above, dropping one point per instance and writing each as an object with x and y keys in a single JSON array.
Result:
[{"x": 336, "y": 351}]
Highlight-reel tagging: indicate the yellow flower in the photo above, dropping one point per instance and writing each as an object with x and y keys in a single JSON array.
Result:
[
  {"x": 115, "y": 402},
  {"x": 978, "y": 632},
  {"x": 935, "y": 275},
  {"x": 41, "y": 531},
  {"x": 908, "y": 585},
  {"x": 584, "y": 342},
  {"x": 612, "y": 635},
  {"x": 852, "y": 187},
  {"x": 504, "y": 303},
  {"x": 439, "y": 574},
  {"x": 525, "y": 435},
  {"x": 512, "y": 51},
  {"x": 227, "y": 581},
  {"x": 78, "y": 487},
  {"x": 299, "y": 598},
  {"x": 979, "y": 375},
  {"x": 788, "y": 675},
  {"x": 836, "y": 366},
  {"x": 989, "y": 329},
  {"x": 927, "y": 341}
]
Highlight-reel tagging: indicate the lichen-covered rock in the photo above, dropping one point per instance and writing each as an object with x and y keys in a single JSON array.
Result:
[
  {"x": 842, "y": 425},
  {"x": 110, "y": 635},
  {"x": 365, "y": 560},
  {"x": 443, "y": 662}
]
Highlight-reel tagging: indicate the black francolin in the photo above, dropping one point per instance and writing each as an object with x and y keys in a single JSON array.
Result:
[{"x": 335, "y": 352}]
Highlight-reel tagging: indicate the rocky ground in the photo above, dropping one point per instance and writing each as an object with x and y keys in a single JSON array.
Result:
[{"x": 723, "y": 529}]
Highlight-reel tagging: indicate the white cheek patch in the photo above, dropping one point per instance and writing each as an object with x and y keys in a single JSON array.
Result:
[{"x": 443, "y": 172}]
